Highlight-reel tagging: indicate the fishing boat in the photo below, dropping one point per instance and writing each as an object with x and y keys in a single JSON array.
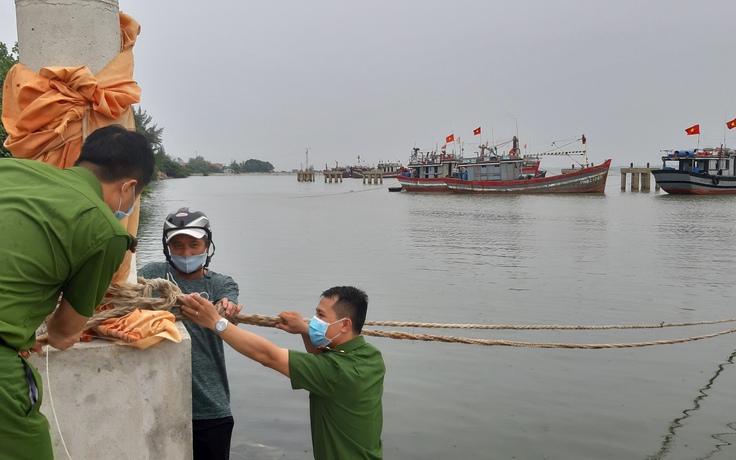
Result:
[
  {"x": 515, "y": 174},
  {"x": 426, "y": 171},
  {"x": 506, "y": 177},
  {"x": 710, "y": 171},
  {"x": 346, "y": 171},
  {"x": 389, "y": 169}
]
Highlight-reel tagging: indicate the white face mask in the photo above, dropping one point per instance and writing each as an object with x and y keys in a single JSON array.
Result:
[
  {"x": 189, "y": 264},
  {"x": 120, "y": 215},
  {"x": 317, "y": 330}
]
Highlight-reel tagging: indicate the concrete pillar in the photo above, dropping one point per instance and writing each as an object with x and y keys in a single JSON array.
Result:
[
  {"x": 67, "y": 33},
  {"x": 623, "y": 181},
  {"x": 634, "y": 181},
  {"x": 119, "y": 402},
  {"x": 645, "y": 181}
]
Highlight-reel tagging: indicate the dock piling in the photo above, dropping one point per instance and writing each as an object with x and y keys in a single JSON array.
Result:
[{"x": 640, "y": 178}]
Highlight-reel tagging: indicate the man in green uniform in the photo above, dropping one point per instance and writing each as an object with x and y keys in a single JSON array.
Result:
[
  {"x": 62, "y": 242},
  {"x": 342, "y": 372}
]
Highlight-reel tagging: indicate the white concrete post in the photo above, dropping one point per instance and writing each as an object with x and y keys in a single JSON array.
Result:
[
  {"x": 114, "y": 401},
  {"x": 67, "y": 33}
]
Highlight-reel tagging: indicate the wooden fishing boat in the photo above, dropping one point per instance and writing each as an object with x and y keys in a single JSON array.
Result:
[
  {"x": 389, "y": 169},
  {"x": 426, "y": 171},
  {"x": 515, "y": 174},
  {"x": 710, "y": 171},
  {"x": 506, "y": 178}
]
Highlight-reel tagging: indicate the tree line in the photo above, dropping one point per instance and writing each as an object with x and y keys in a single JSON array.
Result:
[{"x": 166, "y": 166}]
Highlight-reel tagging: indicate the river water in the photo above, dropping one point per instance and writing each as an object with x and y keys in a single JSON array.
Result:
[{"x": 621, "y": 258}]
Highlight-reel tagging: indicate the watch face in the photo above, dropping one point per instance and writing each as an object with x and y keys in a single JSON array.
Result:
[{"x": 221, "y": 325}]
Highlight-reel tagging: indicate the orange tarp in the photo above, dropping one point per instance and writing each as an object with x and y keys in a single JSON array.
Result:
[
  {"x": 141, "y": 328},
  {"x": 48, "y": 114}
]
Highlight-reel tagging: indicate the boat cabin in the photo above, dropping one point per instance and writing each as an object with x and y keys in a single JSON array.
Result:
[
  {"x": 493, "y": 169},
  {"x": 708, "y": 161},
  {"x": 431, "y": 165}
]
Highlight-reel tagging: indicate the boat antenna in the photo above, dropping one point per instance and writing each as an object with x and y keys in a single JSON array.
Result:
[
  {"x": 585, "y": 149},
  {"x": 725, "y": 119}
]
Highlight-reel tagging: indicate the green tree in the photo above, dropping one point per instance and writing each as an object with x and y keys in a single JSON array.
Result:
[
  {"x": 257, "y": 166},
  {"x": 168, "y": 166},
  {"x": 199, "y": 165},
  {"x": 234, "y": 166},
  {"x": 7, "y": 60},
  {"x": 144, "y": 125}
]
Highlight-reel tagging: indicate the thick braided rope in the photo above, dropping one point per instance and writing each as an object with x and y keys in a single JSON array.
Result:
[
  {"x": 125, "y": 299},
  {"x": 271, "y": 321},
  {"x": 129, "y": 297},
  {"x": 542, "y": 326},
  {"x": 512, "y": 343}
]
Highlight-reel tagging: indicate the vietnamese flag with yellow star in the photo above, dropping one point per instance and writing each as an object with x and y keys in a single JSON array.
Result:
[{"x": 693, "y": 130}]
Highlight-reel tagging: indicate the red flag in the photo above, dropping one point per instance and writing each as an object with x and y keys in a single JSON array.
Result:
[
  {"x": 450, "y": 138},
  {"x": 444, "y": 147},
  {"x": 584, "y": 139},
  {"x": 693, "y": 130},
  {"x": 731, "y": 124},
  {"x": 476, "y": 131}
]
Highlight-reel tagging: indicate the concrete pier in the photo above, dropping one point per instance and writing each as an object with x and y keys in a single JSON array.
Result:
[
  {"x": 372, "y": 177},
  {"x": 119, "y": 402},
  {"x": 305, "y": 176},
  {"x": 640, "y": 178},
  {"x": 331, "y": 176}
]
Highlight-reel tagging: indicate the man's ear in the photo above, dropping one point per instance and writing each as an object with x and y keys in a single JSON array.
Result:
[{"x": 133, "y": 183}]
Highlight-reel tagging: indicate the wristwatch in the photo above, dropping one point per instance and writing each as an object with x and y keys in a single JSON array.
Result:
[{"x": 220, "y": 326}]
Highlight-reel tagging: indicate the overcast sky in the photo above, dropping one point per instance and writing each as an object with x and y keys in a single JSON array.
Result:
[{"x": 232, "y": 79}]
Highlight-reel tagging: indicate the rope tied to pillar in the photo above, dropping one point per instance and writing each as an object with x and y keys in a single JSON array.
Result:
[{"x": 125, "y": 299}]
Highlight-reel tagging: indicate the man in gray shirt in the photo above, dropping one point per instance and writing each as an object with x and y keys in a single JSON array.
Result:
[{"x": 188, "y": 247}]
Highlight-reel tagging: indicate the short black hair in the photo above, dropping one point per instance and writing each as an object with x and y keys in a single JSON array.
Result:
[
  {"x": 351, "y": 303},
  {"x": 114, "y": 152}
]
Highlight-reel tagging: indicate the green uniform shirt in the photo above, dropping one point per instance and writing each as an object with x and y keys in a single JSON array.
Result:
[
  {"x": 345, "y": 387},
  {"x": 210, "y": 390},
  {"x": 57, "y": 235}
]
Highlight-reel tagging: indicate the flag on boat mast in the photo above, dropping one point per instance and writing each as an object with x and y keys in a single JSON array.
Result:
[
  {"x": 476, "y": 131},
  {"x": 450, "y": 138},
  {"x": 695, "y": 129},
  {"x": 731, "y": 124}
]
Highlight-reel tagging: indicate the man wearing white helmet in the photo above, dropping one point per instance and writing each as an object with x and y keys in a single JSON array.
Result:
[{"x": 188, "y": 247}]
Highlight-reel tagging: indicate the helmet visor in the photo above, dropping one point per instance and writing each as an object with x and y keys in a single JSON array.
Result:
[{"x": 195, "y": 232}]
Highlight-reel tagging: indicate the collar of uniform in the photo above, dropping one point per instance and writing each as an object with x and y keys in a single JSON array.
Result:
[
  {"x": 89, "y": 178},
  {"x": 348, "y": 346}
]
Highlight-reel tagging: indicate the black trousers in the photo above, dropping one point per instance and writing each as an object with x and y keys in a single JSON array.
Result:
[{"x": 212, "y": 438}]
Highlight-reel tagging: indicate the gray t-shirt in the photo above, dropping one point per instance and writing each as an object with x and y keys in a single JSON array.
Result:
[{"x": 210, "y": 389}]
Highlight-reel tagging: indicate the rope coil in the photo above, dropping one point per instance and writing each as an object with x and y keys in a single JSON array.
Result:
[{"x": 123, "y": 300}]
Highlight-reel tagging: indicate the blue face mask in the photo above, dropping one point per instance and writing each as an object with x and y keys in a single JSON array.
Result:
[
  {"x": 188, "y": 264},
  {"x": 317, "y": 329},
  {"x": 120, "y": 215}
]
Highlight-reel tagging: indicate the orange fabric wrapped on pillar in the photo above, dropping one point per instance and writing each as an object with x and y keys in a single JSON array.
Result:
[{"x": 48, "y": 114}]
